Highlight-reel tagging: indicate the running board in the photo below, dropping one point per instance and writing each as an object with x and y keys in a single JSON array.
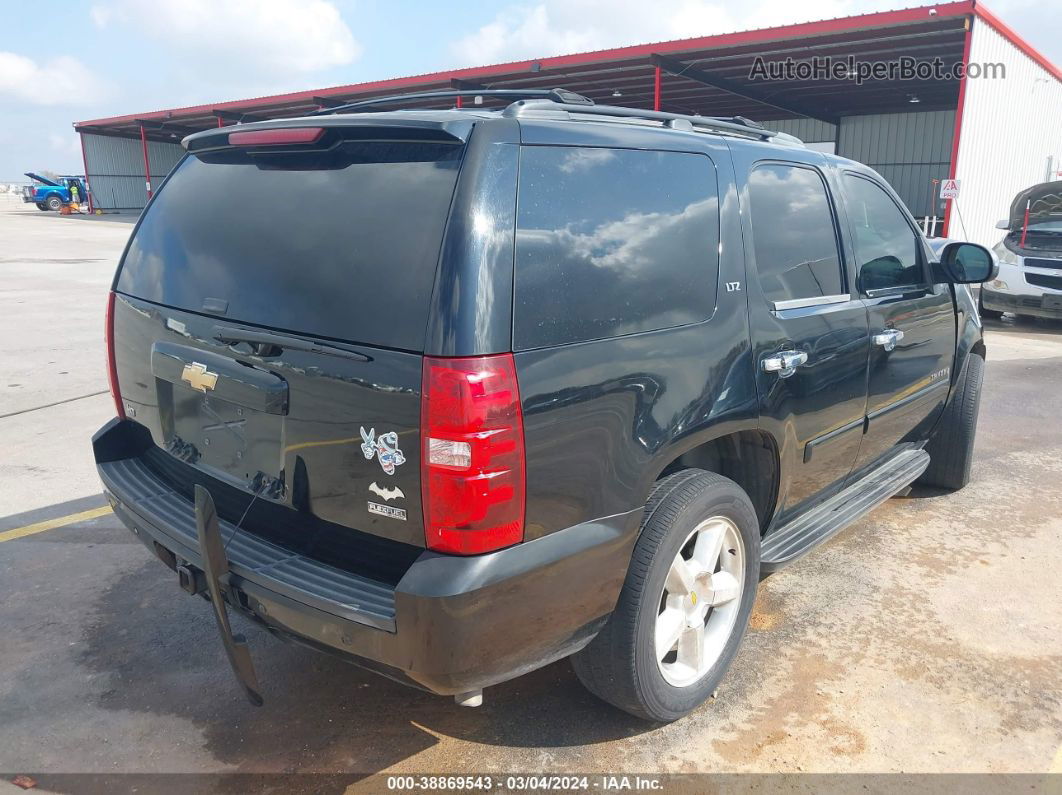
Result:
[{"x": 802, "y": 534}]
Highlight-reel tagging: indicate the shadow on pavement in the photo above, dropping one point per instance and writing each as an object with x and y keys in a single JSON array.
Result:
[
  {"x": 52, "y": 512},
  {"x": 160, "y": 649},
  {"x": 129, "y": 217},
  {"x": 1011, "y": 324}
]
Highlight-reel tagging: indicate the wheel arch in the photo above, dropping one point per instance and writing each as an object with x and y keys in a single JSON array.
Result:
[
  {"x": 748, "y": 456},
  {"x": 971, "y": 342},
  {"x": 970, "y": 336}
]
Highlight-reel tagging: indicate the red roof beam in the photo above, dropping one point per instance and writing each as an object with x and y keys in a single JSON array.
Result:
[
  {"x": 800, "y": 30},
  {"x": 1004, "y": 30}
]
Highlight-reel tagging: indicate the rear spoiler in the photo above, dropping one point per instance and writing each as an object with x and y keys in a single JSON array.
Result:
[
  {"x": 39, "y": 178},
  {"x": 362, "y": 126}
]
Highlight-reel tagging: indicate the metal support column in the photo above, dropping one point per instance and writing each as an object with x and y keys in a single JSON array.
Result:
[
  {"x": 656, "y": 89},
  {"x": 84, "y": 163},
  {"x": 147, "y": 165},
  {"x": 957, "y": 133}
]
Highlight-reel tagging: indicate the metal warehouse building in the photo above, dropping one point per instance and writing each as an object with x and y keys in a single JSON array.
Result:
[{"x": 996, "y": 133}]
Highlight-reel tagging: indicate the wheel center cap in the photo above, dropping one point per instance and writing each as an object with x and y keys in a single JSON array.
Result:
[{"x": 694, "y": 609}]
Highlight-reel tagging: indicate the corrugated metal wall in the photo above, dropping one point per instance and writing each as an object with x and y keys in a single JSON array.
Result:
[
  {"x": 116, "y": 169},
  {"x": 1010, "y": 129},
  {"x": 810, "y": 131},
  {"x": 908, "y": 149}
]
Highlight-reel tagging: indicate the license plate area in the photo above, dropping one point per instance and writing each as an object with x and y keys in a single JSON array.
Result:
[
  {"x": 1052, "y": 302},
  {"x": 222, "y": 416},
  {"x": 232, "y": 441}
]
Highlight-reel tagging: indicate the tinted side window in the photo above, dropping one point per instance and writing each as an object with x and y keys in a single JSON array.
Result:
[
  {"x": 793, "y": 233},
  {"x": 886, "y": 248},
  {"x": 612, "y": 242}
]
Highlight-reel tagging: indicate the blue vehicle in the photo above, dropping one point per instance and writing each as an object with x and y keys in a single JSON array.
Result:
[{"x": 50, "y": 195}]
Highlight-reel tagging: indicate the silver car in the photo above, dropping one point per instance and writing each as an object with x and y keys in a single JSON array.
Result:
[{"x": 1029, "y": 283}]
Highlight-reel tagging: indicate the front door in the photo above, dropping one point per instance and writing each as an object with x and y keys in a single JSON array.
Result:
[
  {"x": 911, "y": 320},
  {"x": 809, "y": 333}
]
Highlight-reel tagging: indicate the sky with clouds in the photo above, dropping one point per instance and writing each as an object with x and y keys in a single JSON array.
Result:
[{"x": 62, "y": 62}]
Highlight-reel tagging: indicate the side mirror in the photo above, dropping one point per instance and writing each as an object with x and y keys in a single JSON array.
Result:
[
  {"x": 968, "y": 263},
  {"x": 1004, "y": 224}
]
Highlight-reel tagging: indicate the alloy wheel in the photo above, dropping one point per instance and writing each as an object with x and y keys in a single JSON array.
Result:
[{"x": 700, "y": 601}]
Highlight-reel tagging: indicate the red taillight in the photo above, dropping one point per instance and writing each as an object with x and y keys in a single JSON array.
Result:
[
  {"x": 472, "y": 461},
  {"x": 112, "y": 369},
  {"x": 292, "y": 135}
]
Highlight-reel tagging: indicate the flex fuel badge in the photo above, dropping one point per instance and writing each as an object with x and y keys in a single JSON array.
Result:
[
  {"x": 385, "y": 448},
  {"x": 387, "y": 510}
]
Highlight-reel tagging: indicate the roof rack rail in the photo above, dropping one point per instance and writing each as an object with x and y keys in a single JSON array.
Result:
[
  {"x": 552, "y": 95},
  {"x": 680, "y": 121},
  {"x": 555, "y": 100}
]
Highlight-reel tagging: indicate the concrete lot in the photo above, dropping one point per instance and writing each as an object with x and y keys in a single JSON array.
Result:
[{"x": 928, "y": 637}]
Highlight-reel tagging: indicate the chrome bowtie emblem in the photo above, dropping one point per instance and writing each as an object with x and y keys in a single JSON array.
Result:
[{"x": 198, "y": 377}]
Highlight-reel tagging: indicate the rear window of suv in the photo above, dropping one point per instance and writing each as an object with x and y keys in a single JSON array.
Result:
[
  {"x": 341, "y": 244},
  {"x": 612, "y": 242}
]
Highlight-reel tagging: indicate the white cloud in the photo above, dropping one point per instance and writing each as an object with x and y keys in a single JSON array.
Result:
[
  {"x": 580, "y": 159},
  {"x": 60, "y": 81},
  {"x": 520, "y": 32},
  {"x": 101, "y": 15},
  {"x": 277, "y": 36},
  {"x": 67, "y": 144},
  {"x": 554, "y": 27}
]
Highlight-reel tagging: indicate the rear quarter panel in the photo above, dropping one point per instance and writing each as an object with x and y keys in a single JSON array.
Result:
[{"x": 603, "y": 418}]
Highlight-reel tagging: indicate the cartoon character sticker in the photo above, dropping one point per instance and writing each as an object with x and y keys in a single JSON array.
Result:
[{"x": 385, "y": 448}]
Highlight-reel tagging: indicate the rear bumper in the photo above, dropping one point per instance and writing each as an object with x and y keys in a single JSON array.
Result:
[{"x": 450, "y": 625}]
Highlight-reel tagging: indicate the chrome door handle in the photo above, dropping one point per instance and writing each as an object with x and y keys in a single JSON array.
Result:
[
  {"x": 784, "y": 363},
  {"x": 887, "y": 338}
]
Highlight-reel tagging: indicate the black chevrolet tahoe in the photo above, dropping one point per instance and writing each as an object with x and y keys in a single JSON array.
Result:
[{"x": 473, "y": 390}]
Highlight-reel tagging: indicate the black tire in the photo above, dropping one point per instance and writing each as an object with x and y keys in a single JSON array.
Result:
[
  {"x": 991, "y": 314},
  {"x": 620, "y": 666},
  {"x": 42, "y": 206},
  {"x": 54, "y": 203},
  {"x": 951, "y": 448}
]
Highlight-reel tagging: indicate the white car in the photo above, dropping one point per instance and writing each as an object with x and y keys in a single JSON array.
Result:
[{"x": 1029, "y": 283}]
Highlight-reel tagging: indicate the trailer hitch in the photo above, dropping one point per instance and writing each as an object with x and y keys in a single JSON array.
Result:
[{"x": 218, "y": 583}]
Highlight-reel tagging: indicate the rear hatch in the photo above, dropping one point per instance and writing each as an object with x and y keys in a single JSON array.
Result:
[{"x": 270, "y": 316}]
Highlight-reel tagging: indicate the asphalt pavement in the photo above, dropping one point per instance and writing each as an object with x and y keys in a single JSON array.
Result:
[{"x": 925, "y": 638}]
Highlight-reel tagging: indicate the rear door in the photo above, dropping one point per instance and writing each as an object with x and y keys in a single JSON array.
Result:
[
  {"x": 911, "y": 320},
  {"x": 809, "y": 332},
  {"x": 270, "y": 317}
]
